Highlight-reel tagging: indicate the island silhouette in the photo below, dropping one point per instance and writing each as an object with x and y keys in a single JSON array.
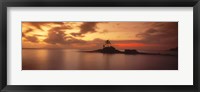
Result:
[{"x": 109, "y": 49}]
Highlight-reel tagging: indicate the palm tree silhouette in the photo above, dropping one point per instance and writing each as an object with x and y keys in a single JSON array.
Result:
[{"x": 107, "y": 44}]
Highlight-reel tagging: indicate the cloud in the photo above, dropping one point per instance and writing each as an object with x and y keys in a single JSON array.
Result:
[
  {"x": 57, "y": 35},
  {"x": 77, "y": 34},
  {"x": 39, "y": 25},
  {"x": 165, "y": 33},
  {"x": 104, "y": 31},
  {"x": 29, "y": 30},
  {"x": 32, "y": 39},
  {"x": 23, "y": 35},
  {"x": 40, "y": 35},
  {"x": 86, "y": 27},
  {"x": 26, "y": 31}
]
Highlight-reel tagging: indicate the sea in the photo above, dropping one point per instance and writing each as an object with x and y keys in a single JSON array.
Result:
[{"x": 74, "y": 59}]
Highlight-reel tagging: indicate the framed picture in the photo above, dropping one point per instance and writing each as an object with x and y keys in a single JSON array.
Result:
[{"x": 76, "y": 45}]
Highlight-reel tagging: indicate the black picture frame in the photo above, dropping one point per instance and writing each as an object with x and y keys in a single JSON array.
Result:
[{"x": 100, "y": 3}]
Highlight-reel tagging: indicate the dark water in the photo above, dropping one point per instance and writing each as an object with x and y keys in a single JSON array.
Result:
[{"x": 65, "y": 59}]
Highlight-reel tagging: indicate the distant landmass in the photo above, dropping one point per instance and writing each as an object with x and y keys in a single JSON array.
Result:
[
  {"x": 174, "y": 49},
  {"x": 112, "y": 50}
]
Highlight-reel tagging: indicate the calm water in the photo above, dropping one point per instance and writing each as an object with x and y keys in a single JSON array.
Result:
[{"x": 65, "y": 59}]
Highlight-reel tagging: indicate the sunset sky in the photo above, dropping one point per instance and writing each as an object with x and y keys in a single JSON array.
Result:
[{"x": 92, "y": 35}]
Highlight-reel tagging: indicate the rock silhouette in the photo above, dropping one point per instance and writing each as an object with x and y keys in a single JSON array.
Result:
[
  {"x": 113, "y": 50},
  {"x": 108, "y": 49},
  {"x": 127, "y": 51}
]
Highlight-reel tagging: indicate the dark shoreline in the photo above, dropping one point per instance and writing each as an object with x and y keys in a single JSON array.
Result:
[
  {"x": 112, "y": 50},
  {"x": 141, "y": 53}
]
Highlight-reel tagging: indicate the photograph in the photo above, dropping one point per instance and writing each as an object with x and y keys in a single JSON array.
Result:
[{"x": 99, "y": 45}]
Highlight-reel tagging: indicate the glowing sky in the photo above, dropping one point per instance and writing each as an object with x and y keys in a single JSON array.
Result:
[{"x": 91, "y": 35}]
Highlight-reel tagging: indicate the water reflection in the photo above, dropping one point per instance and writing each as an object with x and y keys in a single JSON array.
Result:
[{"x": 65, "y": 59}]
